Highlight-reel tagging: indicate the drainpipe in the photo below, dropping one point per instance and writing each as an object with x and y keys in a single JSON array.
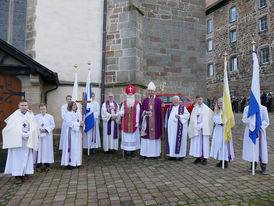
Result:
[
  {"x": 48, "y": 91},
  {"x": 104, "y": 53}
]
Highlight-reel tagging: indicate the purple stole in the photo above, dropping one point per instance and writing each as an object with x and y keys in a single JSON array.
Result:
[
  {"x": 69, "y": 143},
  {"x": 115, "y": 135},
  {"x": 179, "y": 130}
]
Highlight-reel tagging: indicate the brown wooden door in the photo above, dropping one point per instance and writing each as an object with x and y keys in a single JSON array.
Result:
[{"x": 10, "y": 95}]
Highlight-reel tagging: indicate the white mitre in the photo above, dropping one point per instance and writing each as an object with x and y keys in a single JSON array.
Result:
[{"x": 151, "y": 86}]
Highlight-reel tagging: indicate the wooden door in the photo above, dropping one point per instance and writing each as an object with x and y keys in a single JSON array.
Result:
[{"x": 10, "y": 95}]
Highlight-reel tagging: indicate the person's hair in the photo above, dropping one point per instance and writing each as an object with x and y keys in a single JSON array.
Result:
[
  {"x": 42, "y": 105},
  {"x": 22, "y": 101},
  {"x": 176, "y": 97},
  {"x": 70, "y": 104},
  {"x": 93, "y": 93},
  {"x": 198, "y": 96},
  {"x": 68, "y": 96},
  {"x": 217, "y": 108}
]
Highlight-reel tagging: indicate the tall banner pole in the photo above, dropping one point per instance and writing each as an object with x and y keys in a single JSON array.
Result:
[
  {"x": 253, "y": 145},
  {"x": 163, "y": 123},
  {"x": 223, "y": 161}
]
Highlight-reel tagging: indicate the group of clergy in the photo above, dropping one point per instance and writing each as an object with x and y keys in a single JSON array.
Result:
[{"x": 29, "y": 138}]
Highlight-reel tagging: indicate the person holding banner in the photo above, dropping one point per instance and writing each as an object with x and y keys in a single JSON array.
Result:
[
  {"x": 64, "y": 110},
  {"x": 46, "y": 124},
  {"x": 93, "y": 136},
  {"x": 261, "y": 154},
  {"x": 110, "y": 119},
  {"x": 200, "y": 129},
  {"x": 130, "y": 111},
  {"x": 72, "y": 145},
  {"x": 218, "y": 138}
]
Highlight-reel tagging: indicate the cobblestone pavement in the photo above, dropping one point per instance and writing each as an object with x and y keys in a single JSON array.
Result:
[{"x": 107, "y": 179}]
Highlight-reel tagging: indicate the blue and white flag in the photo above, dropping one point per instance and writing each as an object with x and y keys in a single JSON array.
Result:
[
  {"x": 255, "y": 101},
  {"x": 89, "y": 114}
]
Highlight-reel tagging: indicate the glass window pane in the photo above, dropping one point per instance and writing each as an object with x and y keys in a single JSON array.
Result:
[
  {"x": 262, "y": 3},
  {"x": 209, "y": 45},
  {"x": 209, "y": 26},
  {"x": 233, "y": 36},
  {"x": 184, "y": 99},
  {"x": 263, "y": 24},
  {"x": 233, "y": 14},
  {"x": 265, "y": 55},
  {"x": 235, "y": 64}
]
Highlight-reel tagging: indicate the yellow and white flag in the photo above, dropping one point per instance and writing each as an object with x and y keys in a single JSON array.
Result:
[
  {"x": 228, "y": 118},
  {"x": 75, "y": 92}
]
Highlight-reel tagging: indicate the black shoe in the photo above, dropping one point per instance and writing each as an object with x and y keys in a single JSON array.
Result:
[
  {"x": 250, "y": 169},
  {"x": 125, "y": 154},
  {"x": 263, "y": 166},
  {"x": 132, "y": 153},
  {"x": 180, "y": 159},
  {"x": 219, "y": 164},
  {"x": 93, "y": 151},
  {"x": 226, "y": 164},
  {"x": 171, "y": 158},
  {"x": 198, "y": 160},
  {"x": 204, "y": 162},
  {"x": 69, "y": 167},
  {"x": 143, "y": 157}
]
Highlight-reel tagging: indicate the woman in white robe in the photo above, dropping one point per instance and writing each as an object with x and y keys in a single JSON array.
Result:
[
  {"x": 218, "y": 138},
  {"x": 45, "y": 154},
  {"x": 261, "y": 141},
  {"x": 72, "y": 147}
]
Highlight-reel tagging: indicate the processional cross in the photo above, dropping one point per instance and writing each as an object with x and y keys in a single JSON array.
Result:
[{"x": 83, "y": 102}]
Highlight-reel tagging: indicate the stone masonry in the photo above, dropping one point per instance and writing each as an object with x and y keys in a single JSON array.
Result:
[
  {"x": 248, "y": 15},
  {"x": 156, "y": 40}
]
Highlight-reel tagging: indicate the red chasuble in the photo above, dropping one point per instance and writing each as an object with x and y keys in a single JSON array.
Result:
[{"x": 129, "y": 119}]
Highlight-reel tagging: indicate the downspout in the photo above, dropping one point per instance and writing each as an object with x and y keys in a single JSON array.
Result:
[
  {"x": 46, "y": 93},
  {"x": 104, "y": 53}
]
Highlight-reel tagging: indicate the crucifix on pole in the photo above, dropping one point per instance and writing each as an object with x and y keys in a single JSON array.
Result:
[{"x": 83, "y": 102}]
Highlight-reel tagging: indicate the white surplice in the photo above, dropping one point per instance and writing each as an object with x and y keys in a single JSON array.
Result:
[
  {"x": 131, "y": 141},
  {"x": 218, "y": 138},
  {"x": 94, "y": 134},
  {"x": 20, "y": 160},
  {"x": 45, "y": 152},
  {"x": 172, "y": 131},
  {"x": 247, "y": 142},
  {"x": 72, "y": 140},
  {"x": 199, "y": 145},
  {"x": 64, "y": 110},
  {"x": 108, "y": 141}
]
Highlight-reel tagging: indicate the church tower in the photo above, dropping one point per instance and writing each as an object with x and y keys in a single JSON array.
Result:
[{"x": 156, "y": 40}]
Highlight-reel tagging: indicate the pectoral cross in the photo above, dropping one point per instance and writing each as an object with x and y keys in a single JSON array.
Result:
[
  {"x": 42, "y": 125},
  {"x": 83, "y": 102},
  {"x": 24, "y": 125}
]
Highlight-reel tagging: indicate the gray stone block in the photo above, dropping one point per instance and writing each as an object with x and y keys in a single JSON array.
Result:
[
  {"x": 20, "y": 6},
  {"x": 112, "y": 67},
  {"x": 128, "y": 33},
  {"x": 4, "y": 17},
  {"x": 129, "y": 43},
  {"x": 129, "y": 52},
  {"x": 128, "y": 63},
  {"x": 124, "y": 17}
]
